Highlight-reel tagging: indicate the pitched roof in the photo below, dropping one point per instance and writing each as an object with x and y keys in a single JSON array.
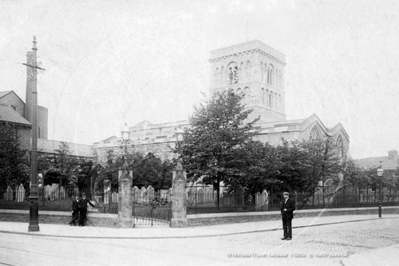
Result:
[
  {"x": 373, "y": 162},
  {"x": 50, "y": 146},
  {"x": 8, "y": 114},
  {"x": 4, "y": 93},
  {"x": 338, "y": 127}
]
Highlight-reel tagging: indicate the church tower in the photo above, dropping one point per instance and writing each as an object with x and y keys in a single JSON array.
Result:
[{"x": 255, "y": 69}]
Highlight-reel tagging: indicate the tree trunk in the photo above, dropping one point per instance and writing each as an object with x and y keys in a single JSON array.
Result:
[
  {"x": 218, "y": 190},
  {"x": 59, "y": 189}
]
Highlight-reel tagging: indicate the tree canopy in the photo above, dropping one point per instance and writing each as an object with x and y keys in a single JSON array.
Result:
[
  {"x": 220, "y": 147},
  {"x": 306, "y": 163},
  {"x": 14, "y": 160},
  {"x": 147, "y": 170},
  {"x": 215, "y": 146}
]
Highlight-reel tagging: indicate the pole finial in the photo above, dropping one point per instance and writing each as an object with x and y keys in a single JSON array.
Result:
[{"x": 34, "y": 43}]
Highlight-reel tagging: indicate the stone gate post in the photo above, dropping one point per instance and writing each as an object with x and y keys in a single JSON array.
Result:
[
  {"x": 125, "y": 201},
  {"x": 179, "y": 201}
]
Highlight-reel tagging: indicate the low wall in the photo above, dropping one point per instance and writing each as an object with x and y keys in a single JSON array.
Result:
[
  {"x": 49, "y": 217},
  {"x": 243, "y": 217},
  {"x": 111, "y": 220}
]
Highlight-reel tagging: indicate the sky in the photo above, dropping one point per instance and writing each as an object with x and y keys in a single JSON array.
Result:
[{"x": 110, "y": 62}]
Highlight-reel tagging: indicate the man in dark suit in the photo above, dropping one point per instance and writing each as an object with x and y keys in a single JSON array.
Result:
[
  {"x": 83, "y": 209},
  {"x": 75, "y": 211},
  {"x": 287, "y": 213}
]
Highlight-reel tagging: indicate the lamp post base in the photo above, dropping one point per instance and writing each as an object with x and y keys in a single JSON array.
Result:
[
  {"x": 33, "y": 214},
  {"x": 379, "y": 211}
]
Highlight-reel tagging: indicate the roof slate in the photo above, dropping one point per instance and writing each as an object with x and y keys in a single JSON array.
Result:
[
  {"x": 4, "y": 93},
  {"x": 50, "y": 146},
  {"x": 8, "y": 114},
  {"x": 385, "y": 161}
]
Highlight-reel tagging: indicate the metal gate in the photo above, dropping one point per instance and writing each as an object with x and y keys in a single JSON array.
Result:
[{"x": 150, "y": 208}]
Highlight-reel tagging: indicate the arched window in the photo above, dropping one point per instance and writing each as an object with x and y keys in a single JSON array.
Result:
[
  {"x": 276, "y": 77},
  {"x": 340, "y": 148},
  {"x": 263, "y": 96},
  {"x": 232, "y": 73},
  {"x": 261, "y": 70},
  {"x": 248, "y": 70},
  {"x": 271, "y": 103},
  {"x": 314, "y": 133},
  {"x": 242, "y": 71},
  {"x": 272, "y": 75},
  {"x": 222, "y": 75},
  {"x": 38, "y": 132}
]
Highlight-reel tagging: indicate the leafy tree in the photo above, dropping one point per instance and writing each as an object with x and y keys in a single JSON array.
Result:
[
  {"x": 67, "y": 166},
  {"x": 14, "y": 162},
  {"x": 151, "y": 170},
  {"x": 215, "y": 146},
  {"x": 305, "y": 163},
  {"x": 147, "y": 170},
  {"x": 261, "y": 166}
]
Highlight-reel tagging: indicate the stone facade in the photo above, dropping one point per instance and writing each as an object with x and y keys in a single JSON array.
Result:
[
  {"x": 254, "y": 69},
  {"x": 10, "y": 98}
]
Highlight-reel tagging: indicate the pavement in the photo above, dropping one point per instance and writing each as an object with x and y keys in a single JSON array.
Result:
[
  {"x": 159, "y": 232},
  {"x": 232, "y": 237}
]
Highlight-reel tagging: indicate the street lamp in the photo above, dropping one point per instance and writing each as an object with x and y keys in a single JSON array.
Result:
[
  {"x": 125, "y": 134},
  {"x": 380, "y": 172},
  {"x": 33, "y": 193},
  {"x": 179, "y": 139},
  {"x": 125, "y": 139}
]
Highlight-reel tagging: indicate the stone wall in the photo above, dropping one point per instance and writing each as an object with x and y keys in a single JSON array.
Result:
[
  {"x": 42, "y": 122},
  {"x": 13, "y": 100}
]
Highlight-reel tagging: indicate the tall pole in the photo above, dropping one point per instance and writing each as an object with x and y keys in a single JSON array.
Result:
[
  {"x": 380, "y": 204},
  {"x": 380, "y": 173},
  {"x": 33, "y": 196}
]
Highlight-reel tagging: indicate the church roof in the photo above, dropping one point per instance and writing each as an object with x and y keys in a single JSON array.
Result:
[
  {"x": 338, "y": 127},
  {"x": 389, "y": 162},
  {"x": 50, "y": 146},
  {"x": 8, "y": 114},
  {"x": 4, "y": 93}
]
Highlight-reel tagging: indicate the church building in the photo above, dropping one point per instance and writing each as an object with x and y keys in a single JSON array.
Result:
[
  {"x": 15, "y": 111},
  {"x": 255, "y": 69}
]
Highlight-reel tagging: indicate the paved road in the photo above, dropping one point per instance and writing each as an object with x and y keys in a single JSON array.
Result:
[{"x": 368, "y": 242}]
